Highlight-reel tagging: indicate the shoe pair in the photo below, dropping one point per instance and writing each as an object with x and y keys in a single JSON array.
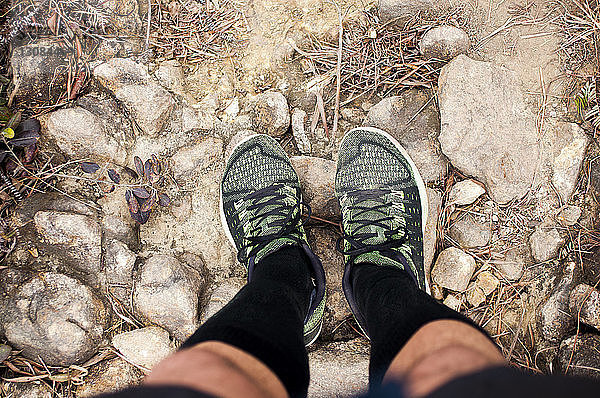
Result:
[{"x": 382, "y": 198}]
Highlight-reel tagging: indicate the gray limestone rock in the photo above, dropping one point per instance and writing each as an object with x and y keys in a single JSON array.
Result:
[
  {"x": 166, "y": 293},
  {"x": 317, "y": 179},
  {"x": 545, "y": 243},
  {"x": 554, "y": 318},
  {"x": 412, "y": 119},
  {"x": 271, "y": 113},
  {"x": 401, "y": 10},
  {"x": 582, "y": 356},
  {"x": 476, "y": 100},
  {"x": 52, "y": 316},
  {"x": 28, "y": 390},
  {"x": 444, "y": 43},
  {"x": 118, "y": 271},
  {"x": 221, "y": 295},
  {"x": 567, "y": 163},
  {"x": 73, "y": 239},
  {"x": 144, "y": 347},
  {"x": 193, "y": 223},
  {"x": 513, "y": 264},
  {"x": 584, "y": 303},
  {"x": 80, "y": 133},
  {"x": 569, "y": 215},
  {"x": 469, "y": 232},
  {"x": 109, "y": 376},
  {"x": 302, "y": 140},
  {"x": 148, "y": 102},
  {"x": 33, "y": 66},
  {"x": 453, "y": 269},
  {"x": 465, "y": 192},
  {"x": 339, "y": 369}
]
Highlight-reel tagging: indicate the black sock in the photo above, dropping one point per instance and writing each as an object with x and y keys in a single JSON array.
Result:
[
  {"x": 394, "y": 309},
  {"x": 266, "y": 318}
]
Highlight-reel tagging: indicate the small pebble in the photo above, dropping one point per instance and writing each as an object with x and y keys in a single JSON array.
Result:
[
  {"x": 465, "y": 192},
  {"x": 569, "y": 215},
  {"x": 453, "y": 301},
  {"x": 475, "y": 295},
  {"x": 487, "y": 282}
]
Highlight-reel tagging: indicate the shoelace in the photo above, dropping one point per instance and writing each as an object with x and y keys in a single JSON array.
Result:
[
  {"x": 357, "y": 241},
  {"x": 286, "y": 220}
]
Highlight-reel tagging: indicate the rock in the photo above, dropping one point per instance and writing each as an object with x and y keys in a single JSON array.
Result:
[
  {"x": 317, "y": 179},
  {"x": 73, "y": 238},
  {"x": 144, "y": 347},
  {"x": 33, "y": 66},
  {"x": 116, "y": 221},
  {"x": 79, "y": 133},
  {"x": 453, "y": 269},
  {"x": 566, "y": 165},
  {"x": 53, "y": 317},
  {"x": 474, "y": 134},
  {"x": 584, "y": 303},
  {"x": 193, "y": 222},
  {"x": 271, "y": 114},
  {"x": 28, "y": 390},
  {"x": 569, "y": 215},
  {"x": 555, "y": 320},
  {"x": 545, "y": 243},
  {"x": 430, "y": 235},
  {"x": 232, "y": 110},
  {"x": 192, "y": 160},
  {"x": 166, "y": 293},
  {"x": 118, "y": 271},
  {"x": 109, "y": 376},
  {"x": 322, "y": 241},
  {"x": 302, "y": 141},
  {"x": 402, "y": 9},
  {"x": 582, "y": 354},
  {"x": 465, "y": 192},
  {"x": 444, "y": 43},
  {"x": 222, "y": 295},
  {"x": 413, "y": 120},
  {"x": 339, "y": 369},
  {"x": 513, "y": 265},
  {"x": 487, "y": 282},
  {"x": 170, "y": 75},
  {"x": 475, "y": 295},
  {"x": 469, "y": 232},
  {"x": 147, "y": 102},
  {"x": 453, "y": 301}
]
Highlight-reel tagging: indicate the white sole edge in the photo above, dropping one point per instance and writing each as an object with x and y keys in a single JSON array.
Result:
[{"x": 418, "y": 178}]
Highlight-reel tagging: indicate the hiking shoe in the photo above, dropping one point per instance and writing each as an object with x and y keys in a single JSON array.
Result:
[
  {"x": 261, "y": 209},
  {"x": 384, "y": 207}
]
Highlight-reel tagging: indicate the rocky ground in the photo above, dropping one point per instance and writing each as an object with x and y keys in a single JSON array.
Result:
[{"x": 92, "y": 300}]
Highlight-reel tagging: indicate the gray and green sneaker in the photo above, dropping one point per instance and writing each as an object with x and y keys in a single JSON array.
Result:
[
  {"x": 384, "y": 207},
  {"x": 261, "y": 209}
]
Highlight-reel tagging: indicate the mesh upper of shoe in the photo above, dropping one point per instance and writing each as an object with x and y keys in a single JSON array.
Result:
[{"x": 373, "y": 173}]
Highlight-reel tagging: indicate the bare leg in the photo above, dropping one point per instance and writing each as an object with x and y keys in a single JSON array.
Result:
[
  {"x": 220, "y": 369},
  {"x": 441, "y": 351}
]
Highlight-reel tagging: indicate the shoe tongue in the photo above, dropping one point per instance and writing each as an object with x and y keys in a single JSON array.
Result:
[{"x": 376, "y": 230}]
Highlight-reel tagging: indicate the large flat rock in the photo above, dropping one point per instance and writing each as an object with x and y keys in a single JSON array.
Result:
[{"x": 487, "y": 131}]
